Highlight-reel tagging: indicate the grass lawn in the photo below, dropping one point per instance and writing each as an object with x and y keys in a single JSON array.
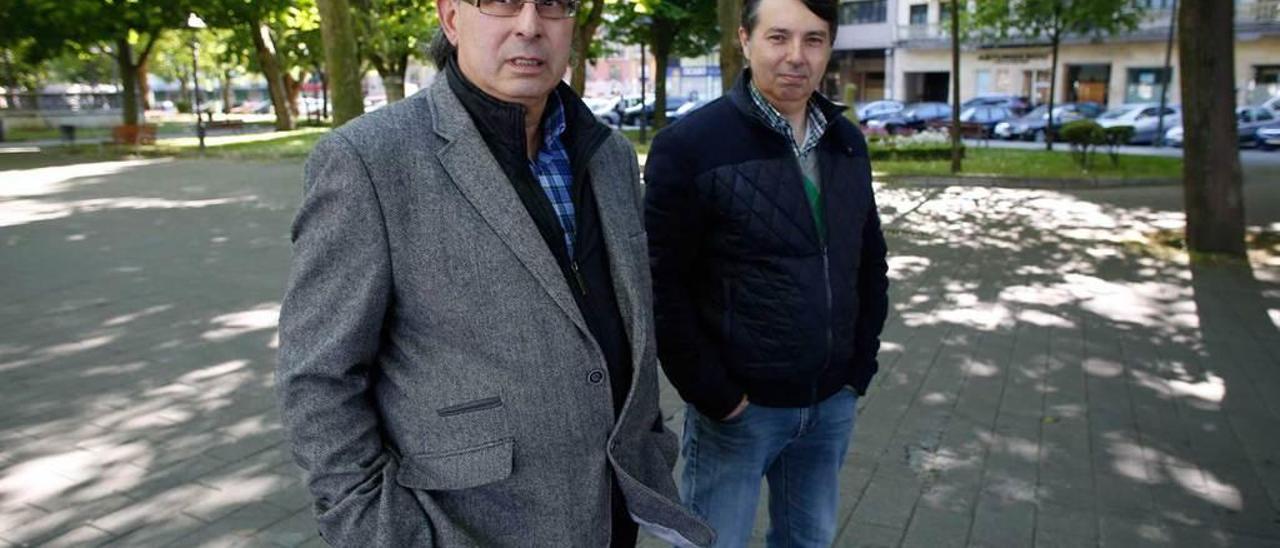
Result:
[
  {"x": 298, "y": 143},
  {"x": 1039, "y": 164}
]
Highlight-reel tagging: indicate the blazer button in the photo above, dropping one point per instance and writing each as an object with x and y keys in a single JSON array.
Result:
[{"x": 596, "y": 376}]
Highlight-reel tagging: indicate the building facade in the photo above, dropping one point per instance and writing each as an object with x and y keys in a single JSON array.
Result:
[
  {"x": 863, "y": 51},
  {"x": 1112, "y": 70}
]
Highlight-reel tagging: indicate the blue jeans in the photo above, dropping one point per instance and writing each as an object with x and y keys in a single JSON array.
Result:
[{"x": 800, "y": 451}]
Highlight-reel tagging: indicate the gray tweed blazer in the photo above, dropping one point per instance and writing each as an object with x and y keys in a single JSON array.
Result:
[{"x": 436, "y": 379}]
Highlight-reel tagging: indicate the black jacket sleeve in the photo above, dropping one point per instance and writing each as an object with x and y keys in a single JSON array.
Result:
[
  {"x": 675, "y": 226},
  {"x": 873, "y": 296}
]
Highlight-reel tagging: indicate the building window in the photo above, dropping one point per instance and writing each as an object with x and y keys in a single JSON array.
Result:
[
  {"x": 919, "y": 14},
  {"x": 1154, "y": 4},
  {"x": 982, "y": 82},
  {"x": 944, "y": 13},
  {"x": 1145, "y": 84},
  {"x": 862, "y": 12}
]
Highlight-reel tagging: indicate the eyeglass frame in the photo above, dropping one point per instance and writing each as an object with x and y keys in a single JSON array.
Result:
[{"x": 571, "y": 8}]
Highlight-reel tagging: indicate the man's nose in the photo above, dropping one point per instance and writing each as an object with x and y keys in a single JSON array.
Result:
[
  {"x": 528, "y": 22},
  {"x": 795, "y": 52}
]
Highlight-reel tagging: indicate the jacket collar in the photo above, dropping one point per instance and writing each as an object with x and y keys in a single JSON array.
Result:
[
  {"x": 501, "y": 123},
  {"x": 740, "y": 95}
]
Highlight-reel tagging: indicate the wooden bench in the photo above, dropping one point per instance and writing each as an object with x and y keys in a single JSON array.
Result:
[{"x": 231, "y": 124}]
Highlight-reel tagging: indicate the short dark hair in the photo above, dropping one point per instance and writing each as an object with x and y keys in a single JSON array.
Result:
[{"x": 827, "y": 10}]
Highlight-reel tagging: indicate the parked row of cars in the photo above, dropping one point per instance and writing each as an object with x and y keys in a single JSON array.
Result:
[
  {"x": 1012, "y": 118},
  {"x": 628, "y": 110}
]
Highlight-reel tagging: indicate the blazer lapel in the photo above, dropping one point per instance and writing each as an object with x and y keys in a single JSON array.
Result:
[
  {"x": 615, "y": 202},
  {"x": 475, "y": 172}
]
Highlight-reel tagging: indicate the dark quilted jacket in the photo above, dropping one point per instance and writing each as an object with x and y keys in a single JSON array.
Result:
[{"x": 748, "y": 299}]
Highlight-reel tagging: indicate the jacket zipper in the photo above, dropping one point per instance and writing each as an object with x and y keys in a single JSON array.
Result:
[{"x": 826, "y": 359}]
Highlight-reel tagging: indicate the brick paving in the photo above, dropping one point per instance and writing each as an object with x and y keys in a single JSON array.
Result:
[{"x": 1047, "y": 379}]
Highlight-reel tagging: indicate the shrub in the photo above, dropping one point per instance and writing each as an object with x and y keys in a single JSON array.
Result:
[
  {"x": 1084, "y": 136},
  {"x": 850, "y": 98},
  {"x": 1116, "y": 137}
]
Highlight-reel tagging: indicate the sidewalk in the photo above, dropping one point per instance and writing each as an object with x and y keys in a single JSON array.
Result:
[{"x": 1045, "y": 380}]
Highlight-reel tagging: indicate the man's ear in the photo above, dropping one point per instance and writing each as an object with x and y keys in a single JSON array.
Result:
[
  {"x": 744, "y": 38},
  {"x": 448, "y": 10}
]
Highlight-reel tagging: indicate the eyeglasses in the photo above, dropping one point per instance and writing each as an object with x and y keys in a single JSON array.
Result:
[{"x": 547, "y": 9}]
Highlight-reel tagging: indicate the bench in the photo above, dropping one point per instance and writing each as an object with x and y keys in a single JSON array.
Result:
[{"x": 234, "y": 125}]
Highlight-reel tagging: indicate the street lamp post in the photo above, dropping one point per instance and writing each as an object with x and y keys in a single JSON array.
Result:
[{"x": 195, "y": 24}]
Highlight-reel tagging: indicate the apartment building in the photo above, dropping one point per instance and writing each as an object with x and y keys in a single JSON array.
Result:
[
  {"x": 1110, "y": 70},
  {"x": 863, "y": 50}
]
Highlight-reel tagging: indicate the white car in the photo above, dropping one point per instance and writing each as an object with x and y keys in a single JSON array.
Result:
[
  {"x": 1269, "y": 137},
  {"x": 1142, "y": 118},
  {"x": 1249, "y": 120}
]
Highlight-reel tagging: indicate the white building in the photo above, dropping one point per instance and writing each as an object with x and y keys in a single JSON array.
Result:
[{"x": 1109, "y": 70}]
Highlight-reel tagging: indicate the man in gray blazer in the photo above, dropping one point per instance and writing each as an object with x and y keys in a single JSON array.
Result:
[{"x": 467, "y": 353}]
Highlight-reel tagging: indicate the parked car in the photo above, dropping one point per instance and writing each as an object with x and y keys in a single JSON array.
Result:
[
  {"x": 1272, "y": 104},
  {"x": 682, "y": 110},
  {"x": 1142, "y": 118},
  {"x": 877, "y": 109},
  {"x": 916, "y": 116},
  {"x": 1248, "y": 121},
  {"x": 1032, "y": 126},
  {"x": 1017, "y": 105},
  {"x": 603, "y": 107},
  {"x": 1268, "y": 137},
  {"x": 985, "y": 118},
  {"x": 612, "y": 109}
]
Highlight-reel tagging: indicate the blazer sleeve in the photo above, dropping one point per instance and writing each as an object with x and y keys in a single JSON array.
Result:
[
  {"x": 330, "y": 326},
  {"x": 676, "y": 227},
  {"x": 873, "y": 296}
]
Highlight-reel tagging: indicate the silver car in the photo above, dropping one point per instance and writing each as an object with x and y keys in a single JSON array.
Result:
[
  {"x": 1142, "y": 118},
  {"x": 1248, "y": 121}
]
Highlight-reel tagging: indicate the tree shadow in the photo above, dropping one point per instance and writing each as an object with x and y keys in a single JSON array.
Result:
[{"x": 138, "y": 320}]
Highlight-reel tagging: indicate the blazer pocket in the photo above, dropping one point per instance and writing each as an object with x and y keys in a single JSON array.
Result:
[{"x": 461, "y": 469}]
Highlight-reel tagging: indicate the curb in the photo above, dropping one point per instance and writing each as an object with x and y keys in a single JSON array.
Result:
[{"x": 1017, "y": 182}]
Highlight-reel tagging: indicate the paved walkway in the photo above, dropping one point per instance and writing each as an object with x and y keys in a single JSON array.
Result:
[{"x": 1047, "y": 380}]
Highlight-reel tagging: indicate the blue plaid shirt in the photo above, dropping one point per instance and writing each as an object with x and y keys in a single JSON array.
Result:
[{"x": 554, "y": 172}]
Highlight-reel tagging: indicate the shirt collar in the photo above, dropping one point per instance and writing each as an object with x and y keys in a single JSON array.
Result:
[
  {"x": 817, "y": 121},
  {"x": 553, "y": 122}
]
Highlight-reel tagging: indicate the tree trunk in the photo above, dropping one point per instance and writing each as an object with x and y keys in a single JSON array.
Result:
[
  {"x": 343, "y": 64},
  {"x": 184, "y": 91},
  {"x": 226, "y": 92},
  {"x": 956, "y": 144},
  {"x": 128, "y": 82},
  {"x": 394, "y": 84},
  {"x": 731, "y": 62},
  {"x": 1053, "y": 82},
  {"x": 293, "y": 88},
  {"x": 583, "y": 35},
  {"x": 1211, "y": 178},
  {"x": 663, "y": 36},
  {"x": 266, "y": 50},
  {"x": 144, "y": 87}
]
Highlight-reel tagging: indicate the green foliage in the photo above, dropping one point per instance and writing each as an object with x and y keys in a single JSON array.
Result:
[
  {"x": 851, "y": 97},
  {"x": 389, "y": 32},
  {"x": 688, "y": 26},
  {"x": 1084, "y": 136},
  {"x": 1036, "y": 164},
  {"x": 1030, "y": 20},
  {"x": 1114, "y": 138}
]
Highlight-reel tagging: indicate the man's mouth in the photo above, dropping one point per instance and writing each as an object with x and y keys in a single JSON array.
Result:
[{"x": 527, "y": 62}]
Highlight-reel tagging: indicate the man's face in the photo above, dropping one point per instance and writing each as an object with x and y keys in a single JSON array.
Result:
[
  {"x": 516, "y": 59},
  {"x": 787, "y": 51}
]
